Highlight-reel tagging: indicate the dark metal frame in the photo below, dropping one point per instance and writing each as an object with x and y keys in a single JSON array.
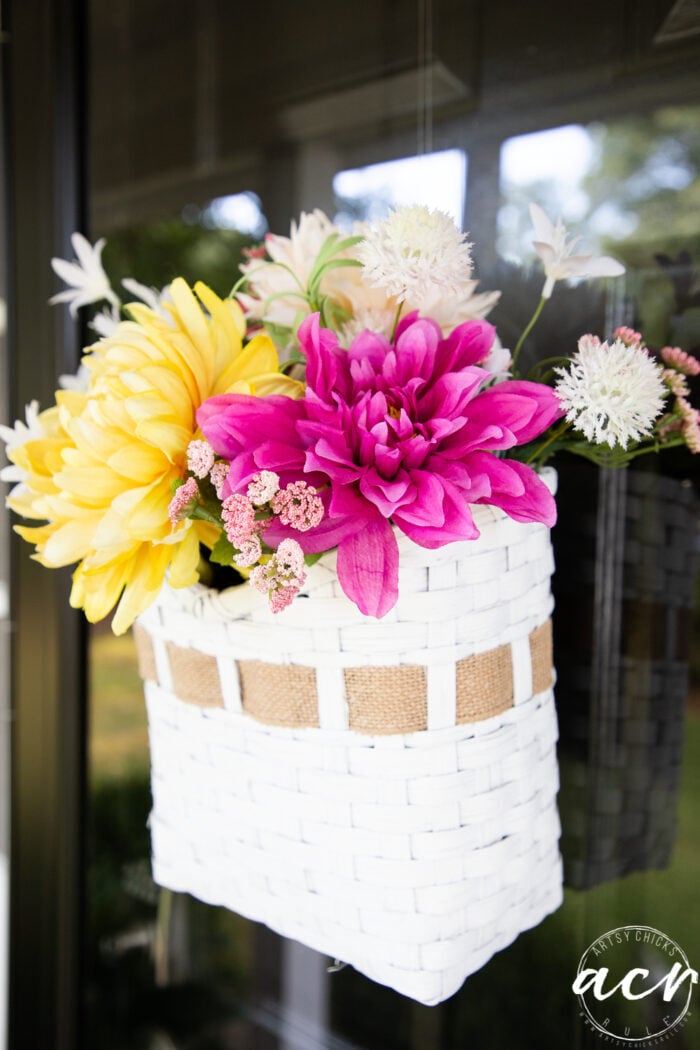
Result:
[{"x": 42, "y": 97}]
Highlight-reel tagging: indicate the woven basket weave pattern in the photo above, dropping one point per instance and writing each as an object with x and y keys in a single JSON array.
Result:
[
  {"x": 412, "y": 855},
  {"x": 414, "y": 863}
]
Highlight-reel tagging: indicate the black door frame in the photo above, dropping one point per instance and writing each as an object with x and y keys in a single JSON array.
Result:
[{"x": 43, "y": 93}]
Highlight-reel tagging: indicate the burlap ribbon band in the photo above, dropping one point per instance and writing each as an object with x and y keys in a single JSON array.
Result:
[{"x": 379, "y": 699}]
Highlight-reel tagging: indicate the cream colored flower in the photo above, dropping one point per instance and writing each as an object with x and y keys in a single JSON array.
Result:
[
  {"x": 372, "y": 308},
  {"x": 277, "y": 286}
]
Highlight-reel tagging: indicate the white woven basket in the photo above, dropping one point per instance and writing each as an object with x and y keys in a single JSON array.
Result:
[{"x": 404, "y": 818}]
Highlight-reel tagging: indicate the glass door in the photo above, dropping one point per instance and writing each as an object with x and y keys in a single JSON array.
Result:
[{"x": 213, "y": 125}]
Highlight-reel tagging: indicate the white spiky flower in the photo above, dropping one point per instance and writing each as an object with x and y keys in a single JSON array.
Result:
[
  {"x": 18, "y": 435},
  {"x": 85, "y": 275},
  {"x": 414, "y": 252},
  {"x": 612, "y": 393}
]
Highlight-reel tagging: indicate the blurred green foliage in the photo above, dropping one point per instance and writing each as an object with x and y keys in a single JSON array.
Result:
[{"x": 156, "y": 252}]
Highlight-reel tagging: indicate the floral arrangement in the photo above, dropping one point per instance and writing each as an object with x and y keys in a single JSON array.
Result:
[{"x": 348, "y": 387}]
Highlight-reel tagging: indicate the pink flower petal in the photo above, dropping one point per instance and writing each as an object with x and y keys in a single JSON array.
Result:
[
  {"x": 455, "y": 521},
  {"x": 368, "y": 567},
  {"x": 516, "y": 489},
  {"x": 468, "y": 344},
  {"x": 327, "y": 366}
]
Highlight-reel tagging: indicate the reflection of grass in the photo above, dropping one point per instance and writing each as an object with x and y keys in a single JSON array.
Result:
[
  {"x": 665, "y": 899},
  {"x": 118, "y": 739}
]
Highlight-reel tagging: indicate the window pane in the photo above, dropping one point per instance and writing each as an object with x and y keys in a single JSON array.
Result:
[{"x": 210, "y": 130}]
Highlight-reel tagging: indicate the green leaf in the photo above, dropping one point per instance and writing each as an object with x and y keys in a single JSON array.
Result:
[
  {"x": 283, "y": 295},
  {"x": 295, "y": 358},
  {"x": 331, "y": 247},
  {"x": 205, "y": 515},
  {"x": 279, "y": 334},
  {"x": 222, "y": 552},
  {"x": 311, "y": 559}
]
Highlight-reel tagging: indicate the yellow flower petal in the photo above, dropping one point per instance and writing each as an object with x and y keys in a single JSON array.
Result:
[
  {"x": 145, "y": 580},
  {"x": 69, "y": 542},
  {"x": 138, "y": 462},
  {"x": 102, "y": 475},
  {"x": 183, "y": 567}
]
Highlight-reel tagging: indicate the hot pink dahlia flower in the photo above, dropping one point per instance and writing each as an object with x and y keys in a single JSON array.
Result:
[{"x": 390, "y": 434}]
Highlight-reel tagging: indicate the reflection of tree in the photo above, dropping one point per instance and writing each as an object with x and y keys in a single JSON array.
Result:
[
  {"x": 639, "y": 201},
  {"x": 156, "y": 252},
  {"x": 646, "y": 177},
  {"x": 645, "y": 203}
]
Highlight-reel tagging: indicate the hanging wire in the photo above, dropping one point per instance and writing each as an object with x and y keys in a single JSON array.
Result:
[{"x": 424, "y": 102}]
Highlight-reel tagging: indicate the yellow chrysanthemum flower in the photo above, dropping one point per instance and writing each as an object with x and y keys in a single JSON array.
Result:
[{"x": 102, "y": 475}]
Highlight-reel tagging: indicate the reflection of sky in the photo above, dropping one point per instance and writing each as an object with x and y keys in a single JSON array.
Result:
[
  {"x": 547, "y": 167},
  {"x": 437, "y": 180},
  {"x": 552, "y": 167},
  {"x": 557, "y": 168},
  {"x": 561, "y": 155},
  {"x": 236, "y": 211}
]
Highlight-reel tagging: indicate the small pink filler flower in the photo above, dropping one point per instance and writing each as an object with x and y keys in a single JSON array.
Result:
[
  {"x": 238, "y": 516},
  {"x": 682, "y": 362},
  {"x": 298, "y": 505},
  {"x": 200, "y": 458},
  {"x": 263, "y": 487},
  {"x": 282, "y": 577},
  {"x": 185, "y": 499}
]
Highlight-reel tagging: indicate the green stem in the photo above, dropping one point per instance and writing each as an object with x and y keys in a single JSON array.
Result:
[
  {"x": 552, "y": 437},
  {"x": 395, "y": 325},
  {"x": 545, "y": 367},
  {"x": 531, "y": 324}
]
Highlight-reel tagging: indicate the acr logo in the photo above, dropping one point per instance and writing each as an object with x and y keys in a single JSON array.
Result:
[{"x": 632, "y": 1004}]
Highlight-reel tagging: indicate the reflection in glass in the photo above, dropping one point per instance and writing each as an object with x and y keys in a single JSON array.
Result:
[
  {"x": 634, "y": 182},
  {"x": 547, "y": 167},
  {"x": 622, "y": 628},
  {"x": 165, "y": 969},
  {"x": 437, "y": 180},
  {"x": 236, "y": 211}
]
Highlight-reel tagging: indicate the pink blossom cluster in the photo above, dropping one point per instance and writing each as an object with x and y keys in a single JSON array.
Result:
[
  {"x": 686, "y": 418},
  {"x": 218, "y": 475},
  {"x": 238, "y": 516},
  {"x": 263, "y": 487},
  {"x": 200, "y": 458},
  {"x": 628, "y": 336},
  {"x": 682, "y": 362},
  {"x": 242, "y": 529},
  {"x": 185, "y": 499},
  {"x": 296, "y": 505},
  {"x": 299, "y": 506},
  {"x": 282, "y": 577},
  {"x": 249, "y": 552},
  {"x": 690, "y": 427},
  {"x": 202, "y": 462},
  {"x": 676, "y": 382}
]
